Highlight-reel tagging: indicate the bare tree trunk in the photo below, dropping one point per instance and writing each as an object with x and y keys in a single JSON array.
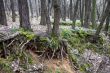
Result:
[
  {"x": 3, "y": 19},
  {"x": 64, "y": 10},
  {"x": 13, "y": 10},
  {"x": 107, "y": 24},
  {"x": 75, "y": 13},
  {"x": 82, "y": 12},
  {"x": 31, "y": 8},
  {"x": 98, "y": 14},
  {"x": 43, "y": 12},
  {"x": 49, "y": 29},
  {"x": 24, "y": 14},
  {"x": 7, "y": 7},
  {"x": 37, "y": 8},
  {"x": 104, "y": 15},
  {"x": 71, "y": 10},
  {"x": 87, "y": 13},
  {"x": 93, "y": 13},
  {"x": 56, "y": 31}
]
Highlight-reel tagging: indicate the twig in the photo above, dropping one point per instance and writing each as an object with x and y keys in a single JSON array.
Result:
[
  {"x": 10, "y": 43},
  {"x": 62, "y": 53},
  {"x": 24, "y": 45},
  {"x": 53, "y": 54},
  {"x": 4, "y": 49}
]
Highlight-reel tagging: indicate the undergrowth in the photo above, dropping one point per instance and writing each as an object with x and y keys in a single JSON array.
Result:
[
  {"x": 79, "y": 41},
  {"x": 53, "y": 47}
]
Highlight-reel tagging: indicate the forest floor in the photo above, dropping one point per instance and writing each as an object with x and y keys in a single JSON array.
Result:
[
  {"x": 38, "y": 29},
  {"x": 85, "y": 54},
  {"x": 53, "y": 65}
]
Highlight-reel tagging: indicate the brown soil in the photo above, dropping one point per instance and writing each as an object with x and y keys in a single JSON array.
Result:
[{"x": 54, "y": 65}]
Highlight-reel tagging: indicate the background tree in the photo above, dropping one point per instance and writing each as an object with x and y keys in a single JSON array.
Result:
[
  {"x": 31, "y": 8},
  {"x": 104, "y": 16},
  {"x": 13, "y": 10},
  {"x": 56, "y": 5},
  {"x": 93, "y": 13},
  {"x": 43, "y": 12},
  {"x": 24, "y": 14},
  {"x": 48, "y": 21},
  {"x": 107, "y": 24},
  {"x": 87, "y": 13},
  {"x": 82, "y": 12},
  {"x": 71, "y": 9},
  {"x": 75, "y": 13},
  {"x": 3, "y": 19}
]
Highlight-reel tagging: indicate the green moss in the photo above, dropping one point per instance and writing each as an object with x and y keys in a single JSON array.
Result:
[
  {"x": 78, "y": 40},
  {"x": 5, "y": 66},
  {"x": 57, "y": 70},
  {"x": 84, "y": 67},
  {"x": 75, "y": 38},
  {"x": 28, "y": 34}
]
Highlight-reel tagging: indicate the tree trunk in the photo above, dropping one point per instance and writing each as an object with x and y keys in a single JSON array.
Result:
[
  {"x": 104, "y": 15},
  {"x": 43, "y": 12},
  {"x": 13, "y": 10},
  {"x": 31, "y": 8},
  {"x": 3, "y": 19},
  {"x": 71, "y": 10},
  {"x": 93, "y": 13},
  {"x": 87, "y": 13},
  {"x": 82, "y": 12},
  {"x": 24, "y": 14},
  {"x": 107, "y": 24},
  {"x": 64, "y": 10},
  {"x": 49, "y": 29},
  {"x": 75, "y": 13},
  {"x": 56, "y": 18},
  {"x": 37, "y": 8}
]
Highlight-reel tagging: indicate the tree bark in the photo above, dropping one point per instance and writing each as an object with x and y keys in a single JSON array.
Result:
[
  {"x": 87, "y": 13},
  {"x": 56, "y": 31},
  {"x": 71, "y": 10},
  {"x": 107, "y": 24},
  {"x": 31, "y": 8},
  {"x": 93, "y": 13},
  {"x": 104, "y": 16},
  {"x": 75, "y": 13},
  {"x": 82, "y": 12},
  {"x": 3, "y": 19},
  {"x": 64, "y": 10},
  {"x": 24, "y": 14},
  {"x": 13, "y": 10},
  {"x": 37, "y": 8},
  {"x": 49, "y": 29},
  {"x": 43, "y": 12}
]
